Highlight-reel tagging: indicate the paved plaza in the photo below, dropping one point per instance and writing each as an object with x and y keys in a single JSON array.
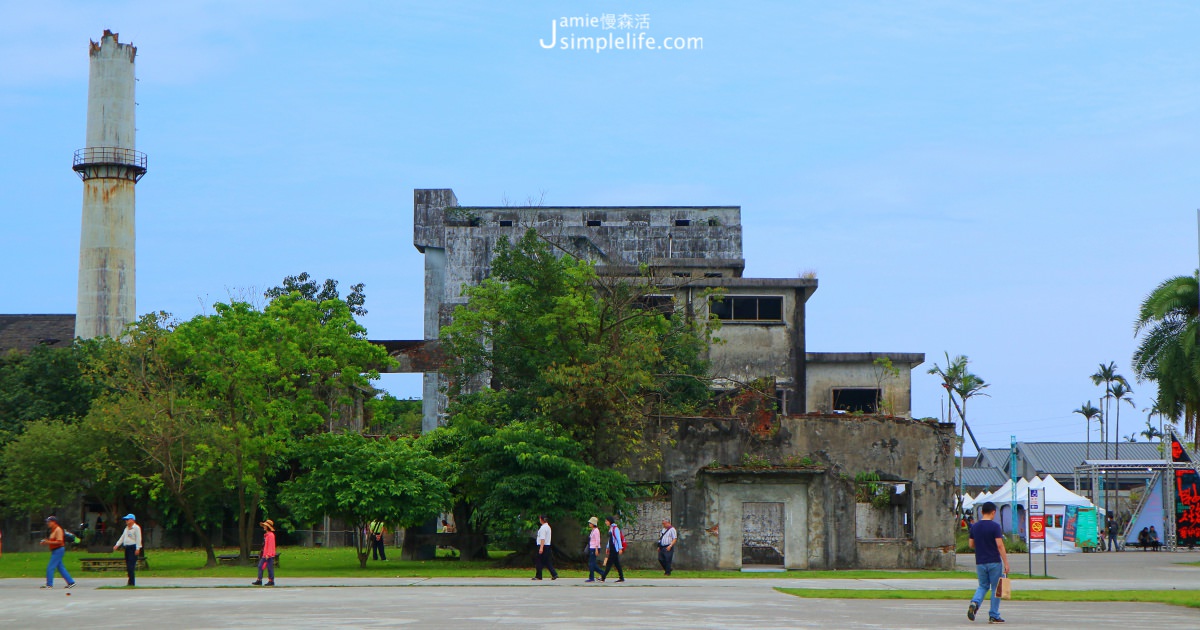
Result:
[{"x": 569, "y": 603}]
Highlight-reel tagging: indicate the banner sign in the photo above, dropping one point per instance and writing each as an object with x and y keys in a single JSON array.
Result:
[
  {"x": 1085, "y": 528},
  {"x": 1037, "y": 527},
  {"x": 1070, "y": 522},
  {"x": 1035, "y": 499},
  {"x": 1187, "y": 499}
]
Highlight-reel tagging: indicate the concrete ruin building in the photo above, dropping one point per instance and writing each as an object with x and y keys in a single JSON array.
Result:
[
  {"x": 762, "y": 318},
  {"x": 844, "y": 485}
]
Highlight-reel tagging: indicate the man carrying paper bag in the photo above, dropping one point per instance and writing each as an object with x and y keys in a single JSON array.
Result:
[{"x": 991, "y": 563}]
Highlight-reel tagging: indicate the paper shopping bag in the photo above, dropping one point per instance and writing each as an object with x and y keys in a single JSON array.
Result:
[{"x": 1004, "y": 588}]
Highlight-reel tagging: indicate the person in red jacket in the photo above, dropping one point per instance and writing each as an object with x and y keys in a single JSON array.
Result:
[{"x": 266, "y": 559}]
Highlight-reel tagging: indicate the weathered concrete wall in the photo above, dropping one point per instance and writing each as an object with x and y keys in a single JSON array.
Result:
[
  {"x": 106, "y": 285},
  {"x": 819, "y": 499},
  {"x": 827, "y": 371}
]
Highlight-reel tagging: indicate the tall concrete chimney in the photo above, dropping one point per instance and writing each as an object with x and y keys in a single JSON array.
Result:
[{"x": 109, "y": 166}]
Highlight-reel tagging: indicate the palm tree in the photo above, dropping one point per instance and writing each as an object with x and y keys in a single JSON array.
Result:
[
  {"x": 1151, "y": 432},
  {"x": 1168, "y": 352},
  {"x": 957, "y": 379},
  {"x": 1088, "y": 412},
  {"x": 1107, "y": 374},
  {"x": 1120, "y": 389}
]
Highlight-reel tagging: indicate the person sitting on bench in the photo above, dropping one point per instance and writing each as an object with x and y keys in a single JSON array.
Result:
[{"x": 1152, "y": 538}]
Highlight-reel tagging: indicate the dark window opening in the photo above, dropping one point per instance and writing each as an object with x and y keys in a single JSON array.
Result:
[
  {"x": 506, "y": 222},
  {"x": 593, "y": 223},
  {"x": 713, "y": 274},
  {"x": 856, "y": 399},
  {"x": 664, "y": 304},
  {"x": 682, "y": 222},
  {"x": 681, "y": 274},
  {"x": 748, "y": 309}
]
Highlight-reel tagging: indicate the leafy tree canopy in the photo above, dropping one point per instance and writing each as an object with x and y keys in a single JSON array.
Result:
[
  {"x": 360, "y": 480},
  {"x": 562, "y": 346},
  {"x": 44, "y": 383},
  {"x": 510, "y": 474},
  {"x": 313, "y": 292}
]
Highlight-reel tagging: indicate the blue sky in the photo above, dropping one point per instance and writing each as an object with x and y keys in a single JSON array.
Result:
[{"x": 1001, "y": 180}]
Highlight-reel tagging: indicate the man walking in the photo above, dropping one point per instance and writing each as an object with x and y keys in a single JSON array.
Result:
[
  {"x": 666, "y": 545},
  {"x": 616, "y": 547},
  {"x": 1113, "y": 543},
  {"x": 991, "y": 561},
  {"x": 544, "y": 554},
  {"x": 58, "y": 547},
  {"x": 131, "y": 540}
]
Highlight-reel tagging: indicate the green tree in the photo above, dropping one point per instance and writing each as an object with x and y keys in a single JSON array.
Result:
[
  {"x": 44, "y": 383},
  {"x": 149, "y": 401},
  {"x": 1151, "y": 432},
  {"x": 958, "y": 380},
  {"x": 388, "y": 415},
  {"x": 1167, "y": 352},
  {"x": 1089, "y": 412},
  {"x": 510, "y": 474},
  {"x": 561, "y": 345},
  {"x": 360, "y": 480},
  {"x": 270, "y": 377},
  {"x": 313, "y": 292}
]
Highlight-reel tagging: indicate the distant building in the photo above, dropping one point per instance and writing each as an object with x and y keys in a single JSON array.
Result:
[
  {"x": 991, "y": 468},
  {"x": 23, "y": 333},
  {"x": 687, "y": 249}
]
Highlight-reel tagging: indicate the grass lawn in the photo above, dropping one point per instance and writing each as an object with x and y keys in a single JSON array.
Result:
[
  {"x": 1177, "y": 598},
  {"x": 319, "y": 562}
]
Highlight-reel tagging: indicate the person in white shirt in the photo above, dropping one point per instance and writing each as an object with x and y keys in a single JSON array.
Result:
[
  {"x": 544, "y": 553},
  {"x": 131, "y": 540},
  {"x": 666, "y": 545}
]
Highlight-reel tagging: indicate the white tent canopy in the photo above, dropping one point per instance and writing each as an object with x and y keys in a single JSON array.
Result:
[{"x": 1055, "y": 499}]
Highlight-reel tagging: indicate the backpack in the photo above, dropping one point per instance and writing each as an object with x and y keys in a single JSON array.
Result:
[{"x": 69, "y": 537}]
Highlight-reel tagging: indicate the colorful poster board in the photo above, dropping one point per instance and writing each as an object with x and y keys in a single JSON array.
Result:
[
  {"x": 1187, "y": 499},
  {"x": 1037, "y": 527},
  {"x": 1071, "y": 523},
  {"x": 1085, "y": 527}
]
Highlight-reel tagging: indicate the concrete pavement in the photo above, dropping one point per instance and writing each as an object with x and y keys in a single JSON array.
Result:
[{"x": 570, "y": 603}]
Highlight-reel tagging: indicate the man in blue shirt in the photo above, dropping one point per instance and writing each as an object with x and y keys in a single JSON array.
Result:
[{"x": 991, "y": 561}]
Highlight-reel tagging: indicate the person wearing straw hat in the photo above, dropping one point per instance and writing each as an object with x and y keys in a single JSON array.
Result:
[
  {"x": 131, "y": 540},
  {"x": 266, "y": 559},
  {"x": 593, "y": 549}
]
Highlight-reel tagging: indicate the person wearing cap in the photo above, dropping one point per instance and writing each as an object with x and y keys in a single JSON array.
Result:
[
  {"x": 616, "y": 547},
  {"x": 544, "y": 553},
  {"x": 58, "y": 547},
  {"x": 131, "y": 540},
  {"x": 266, "y": 559},
  {"x": 593, "y": 549},
  {"x": 666, "y": 545}
]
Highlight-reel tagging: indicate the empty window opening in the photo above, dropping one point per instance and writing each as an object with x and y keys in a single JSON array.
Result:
[
  {"x": 506, "y": 222},
  {"x": 682, "y": 222},
  {"x": 681, "y": 274},
  {"x": 740, "y": 308},
  {"x": 856, "y": 399},
  {"x": 713, "y": 274},
  {"x": 593, "y": 222},
  {"x": 664, "y": 304},
  {"x": 883, "y": 509}
]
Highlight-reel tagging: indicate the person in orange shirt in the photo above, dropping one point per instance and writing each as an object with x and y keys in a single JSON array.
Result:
[{"x": 58, "y": 547}]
